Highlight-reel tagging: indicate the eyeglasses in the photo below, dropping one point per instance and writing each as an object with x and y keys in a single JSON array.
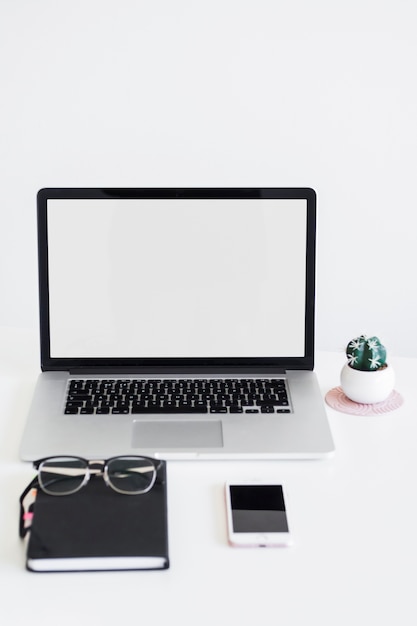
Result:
[{"x": 65, "y": 475}]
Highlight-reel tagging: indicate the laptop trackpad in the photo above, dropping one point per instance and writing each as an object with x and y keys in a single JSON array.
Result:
[{"x": 177, "y": 434}]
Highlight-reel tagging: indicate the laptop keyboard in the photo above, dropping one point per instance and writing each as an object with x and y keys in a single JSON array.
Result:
[{"x": 129, "y": 396}]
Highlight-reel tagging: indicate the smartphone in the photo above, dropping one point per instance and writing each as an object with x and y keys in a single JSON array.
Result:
[{"x": 257, "y": 515}]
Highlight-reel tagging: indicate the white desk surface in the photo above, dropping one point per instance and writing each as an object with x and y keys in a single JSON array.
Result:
[{"x": 353, "y": 518}]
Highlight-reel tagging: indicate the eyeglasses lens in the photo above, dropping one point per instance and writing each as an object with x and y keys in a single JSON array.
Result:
[
  {"x": 132, "y": 475},
  {"x": 62, "y": 475}
]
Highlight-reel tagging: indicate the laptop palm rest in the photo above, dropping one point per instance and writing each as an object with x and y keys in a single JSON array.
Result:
[{"x": 177, "y": 434}]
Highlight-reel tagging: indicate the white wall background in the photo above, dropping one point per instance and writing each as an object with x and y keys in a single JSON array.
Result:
[{"x": 224, "y": 93}]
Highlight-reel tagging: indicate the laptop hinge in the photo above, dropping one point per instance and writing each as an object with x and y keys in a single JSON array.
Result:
[{"x": 179, "y": 370}]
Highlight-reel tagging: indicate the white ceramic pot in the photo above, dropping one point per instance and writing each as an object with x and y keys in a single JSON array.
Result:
[{"x": 367, "y": 387}]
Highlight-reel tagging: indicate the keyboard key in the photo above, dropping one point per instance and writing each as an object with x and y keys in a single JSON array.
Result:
[
  {"x": 166, "y": 409},
  {"x": 79, "y": 395},
  {"x": 271, "y": 402}
]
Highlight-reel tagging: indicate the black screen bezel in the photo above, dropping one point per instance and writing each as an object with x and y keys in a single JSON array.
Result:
[{"x": 151, "y": 365}]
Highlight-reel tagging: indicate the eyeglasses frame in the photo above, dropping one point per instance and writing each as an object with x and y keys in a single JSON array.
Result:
[{"x": 90, "y": 470}]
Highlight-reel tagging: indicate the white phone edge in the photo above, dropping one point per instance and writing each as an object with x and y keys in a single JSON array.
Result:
[{"x": 255, "y": 540}]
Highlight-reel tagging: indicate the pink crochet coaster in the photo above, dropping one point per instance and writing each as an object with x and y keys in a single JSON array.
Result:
[{"x": 337, "y": 400}]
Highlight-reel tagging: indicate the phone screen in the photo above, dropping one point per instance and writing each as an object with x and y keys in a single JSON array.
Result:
[{"x": 258, "y": 509}]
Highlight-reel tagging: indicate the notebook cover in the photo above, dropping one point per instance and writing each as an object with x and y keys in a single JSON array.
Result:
[{"x": 100, "y": 529}]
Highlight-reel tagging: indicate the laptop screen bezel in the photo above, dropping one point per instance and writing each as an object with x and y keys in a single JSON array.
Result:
[{"x": 152, "y": 365}]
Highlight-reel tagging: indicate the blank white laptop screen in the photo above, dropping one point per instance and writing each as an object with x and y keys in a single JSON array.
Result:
[{"x": 177, "y": 278}]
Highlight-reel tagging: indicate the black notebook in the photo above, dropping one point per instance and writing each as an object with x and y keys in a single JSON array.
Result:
[{"x": 99, "y": 529}]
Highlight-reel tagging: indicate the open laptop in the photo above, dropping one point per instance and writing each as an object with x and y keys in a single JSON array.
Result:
[{"x": 177, "y": 323}]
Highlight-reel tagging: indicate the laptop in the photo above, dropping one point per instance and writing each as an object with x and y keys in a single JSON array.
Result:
[{"x": 178, "y": 324}]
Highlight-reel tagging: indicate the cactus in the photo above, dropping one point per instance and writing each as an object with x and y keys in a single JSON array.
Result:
[{"x": 366, "y": 354}]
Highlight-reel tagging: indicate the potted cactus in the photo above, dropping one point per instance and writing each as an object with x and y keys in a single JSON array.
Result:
[{"x": 366, "y": 377}]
